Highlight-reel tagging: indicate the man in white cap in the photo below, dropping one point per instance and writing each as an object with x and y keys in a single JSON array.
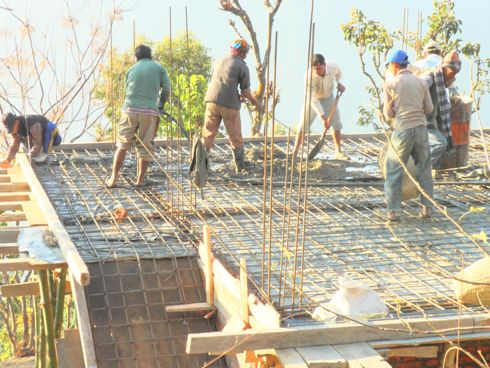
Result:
[
  {"x": 407, "y": 102},
  {"x": 432, "y": 56}
]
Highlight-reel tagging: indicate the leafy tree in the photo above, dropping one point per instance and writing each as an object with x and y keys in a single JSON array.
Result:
[{"x": 189, "y": 66}]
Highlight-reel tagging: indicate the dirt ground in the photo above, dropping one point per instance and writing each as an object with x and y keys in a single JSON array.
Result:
[
  {"x": 18, "y": 363},
  {"x": 318, "y": 169}
]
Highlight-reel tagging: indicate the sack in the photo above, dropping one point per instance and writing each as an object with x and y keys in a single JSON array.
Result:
[
  {"x": 51, "y": 137},
  {"x": 199, "y": 164}
]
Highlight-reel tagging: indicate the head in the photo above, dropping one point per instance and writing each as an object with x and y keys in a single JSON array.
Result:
[
  {"x": 397, "y": 61},
  {"x": 239, "y": 47},
  {"x": 11, "y": 123},
  {"x": 451, "y": 65},
  {"x": 318, "y": 64},
  {"x": 142, "y": 52},
  {"x": 432, "y": 47}
]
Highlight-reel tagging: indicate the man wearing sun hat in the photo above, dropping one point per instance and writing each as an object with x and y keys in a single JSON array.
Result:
[
  {"x": 407, "y": 102},
  {"x": 432, "y": 55},
  {"x": 223, "y": 100}
]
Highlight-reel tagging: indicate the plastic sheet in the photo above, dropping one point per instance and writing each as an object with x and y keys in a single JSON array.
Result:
[{"x": 40, "y": 244}]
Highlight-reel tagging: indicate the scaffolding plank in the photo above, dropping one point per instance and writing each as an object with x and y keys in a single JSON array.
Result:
[
  {"x": 14, "y": 187},
  {"x": 27, "y": 264},
  {"x": 324, "y": 356},
  {"x": 26, "y": 288},
  {"x": 290, "y": 358},
  {"x": 9, "y": 248},
  {"x": 8, "y": 235},
  {"x": 11, "y": 206},
  {"x": 193, "y": 307},
  {"x": 12, "y": 217},
  {"x": 14, "y": 197},
  {"x": 361, "y": 355},
  {"x": 33, "y": 214}
]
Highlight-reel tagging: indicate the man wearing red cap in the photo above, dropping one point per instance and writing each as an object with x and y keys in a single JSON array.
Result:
[
  {"x": 223, "y": 100},
  {"x": 406, "y": 102}
]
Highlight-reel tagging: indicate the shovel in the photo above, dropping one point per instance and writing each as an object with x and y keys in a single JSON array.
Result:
[
  {"x": 318, "y": 146},
  {"x": 179, "y": 124}
]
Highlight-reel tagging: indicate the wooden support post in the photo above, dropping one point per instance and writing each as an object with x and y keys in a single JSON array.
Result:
[
  {"x": 47, "y": 310},
  {"x": 60, "y": 304},
  {"x": 244, "y": 291},
  {"x": 9, "y": 249},
  {"x": 209, "y": 265},
  {"x": 27, "y": 264}
]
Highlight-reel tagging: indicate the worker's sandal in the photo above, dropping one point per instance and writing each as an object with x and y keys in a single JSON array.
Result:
[{"x": 392, "y": 216}]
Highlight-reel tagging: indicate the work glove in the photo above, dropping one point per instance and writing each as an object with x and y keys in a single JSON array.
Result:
[{"x": 5, "y": 164}]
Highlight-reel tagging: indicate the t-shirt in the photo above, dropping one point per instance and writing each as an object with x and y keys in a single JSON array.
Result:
[
  {"x": 229, "y": 73},
  {"x": 322, "y": 86},
  {"x": 143, "y": 82}
]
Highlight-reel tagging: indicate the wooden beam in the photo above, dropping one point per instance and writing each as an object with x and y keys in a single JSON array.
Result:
[
  {"x": 25, "y": 288},
  {"x": 68, "y": 249},
  {"x": 14, "y": 197},
  {"x": 414, "y": 352},
  {"x": 290, "y": 358},
  {"x": 11, "y": 206},
  {"x": 12, "y": 217},
  {"x": 416, "y": 341},
  {"x": 4, "y": 179},
  {"x": 206, "y": 230},
  {"x": 193, "y": 307},
  {"x": 280, "y": 338},
  {"x": 14, "y": 187},
  {"x": 69, "y": 350},
  {"x": 323, "y": 356},
  {"x": 8, "y": 235},
  {"x": 27, "y": 264},
  {"x": 244, "y": 312},
  {"x": 33, "y": 213},
  {"x": 9, "y": 249},
  {"x": 361, "y": 355},
  {"x": 16, "y": 175}
]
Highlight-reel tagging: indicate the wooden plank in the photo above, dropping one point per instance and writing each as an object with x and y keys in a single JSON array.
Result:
[
  {"x": 26, "y": 288},
  {"x": 234, "y": 324},
  {"x": 16, "y": 174},
  {"x": 14, "y": 197},
  {"x": 416, "y": 341},
  {"x": 11, "y": 206},
  {"x": 69, "y": 350},
  {"x": 12, "y": 217},
  {"x": 193, "y": 307},
  {"x": 323, "y": 356},
  {"x": 75, "y": 262},
  {"x": 290, "y": 358},
  {"x": 341, "y": 333},
  {"x": 84, "y": 327},
  {"x": 14, "y": 187},
  {"x": 33, "y": 214},
  {"x": 414, "y": 351},
  {"x": 209, "y": 264},
  {"x": 244, "y": 312},
  {"x": 9, "y": 249},
  {"x": 27, "y": 264},
  {"x": 4, "y": 179},
  {"x": 361, "y": 355},
  {"x": 8, "y": 236}
]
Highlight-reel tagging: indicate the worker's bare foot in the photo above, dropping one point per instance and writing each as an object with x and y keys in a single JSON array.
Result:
[{"x": 111, "y": 182}]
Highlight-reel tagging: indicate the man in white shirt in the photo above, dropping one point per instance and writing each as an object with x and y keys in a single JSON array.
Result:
[
  {"x": 432, "y": 56},
  {"x": 323, "y": 79}
]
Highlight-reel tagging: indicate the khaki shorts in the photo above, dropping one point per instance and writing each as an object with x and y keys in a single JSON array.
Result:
[
  {"x": 326, "y": 103},
  {"x": 212, "y": 120},
  {"x": 142, "y": 126}
]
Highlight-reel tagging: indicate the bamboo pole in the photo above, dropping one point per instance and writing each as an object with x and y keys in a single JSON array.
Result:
[
  {"x": 47, "y": 311},
  {"x": 209, "y": 265},
  {"x": 38, "y": 333},
  {"x": 60, "y": 303},
  {"x": 244, "y": 291}
]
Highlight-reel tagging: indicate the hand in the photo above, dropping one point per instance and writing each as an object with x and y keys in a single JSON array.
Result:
[
  {"x": 5, "y": 164},
  {"x": 326, "y": 122},
  {"x": 340, "y": 87}
]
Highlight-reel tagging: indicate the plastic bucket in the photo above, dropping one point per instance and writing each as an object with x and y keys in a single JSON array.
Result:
[
  {"x": 409, "y": 189},
  {"x": 460, "y": 130}
]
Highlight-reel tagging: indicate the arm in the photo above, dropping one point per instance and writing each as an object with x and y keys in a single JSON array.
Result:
[
  {"x": 249, "y": 96},
  {"x": 36, "y": 133},
  {"x": 14, "y": 147},
  {"x": 338, "y": 77},
  {"x": 389, "y": 95},
  {"x": 428, "y": 105},
  {"x": 165, "y": 90}
]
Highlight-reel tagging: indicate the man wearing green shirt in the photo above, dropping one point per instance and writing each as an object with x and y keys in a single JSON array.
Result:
[{"x": 146, "y": 83}]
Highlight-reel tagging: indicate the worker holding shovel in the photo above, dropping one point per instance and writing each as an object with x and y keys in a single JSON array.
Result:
[{"x": 322, "y": 102}]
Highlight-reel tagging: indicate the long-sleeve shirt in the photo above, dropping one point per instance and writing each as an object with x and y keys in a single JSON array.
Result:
[
  {"x": 322, "y": 86},
  {"x": 407, "y": 100},
  {"x": 36, "y": 142}
]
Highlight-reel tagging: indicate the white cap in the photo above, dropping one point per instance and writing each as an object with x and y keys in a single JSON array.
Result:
[{"x": 432, "y": 46}]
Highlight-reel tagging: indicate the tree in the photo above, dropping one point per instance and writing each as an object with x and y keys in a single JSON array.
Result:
[
  {"x": 188, "y": 65},
  {"x": 261, "y": 63}
]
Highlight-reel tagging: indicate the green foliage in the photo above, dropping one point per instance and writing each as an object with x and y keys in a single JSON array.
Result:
[
  {"x": 188, "y": 66},
  {"x": 444, "y": 26},
  {"x": 479, "y": 71}
]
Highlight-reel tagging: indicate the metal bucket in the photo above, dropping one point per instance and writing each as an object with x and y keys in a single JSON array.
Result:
[
  {"x": 409, "y": 189},
  {"x": 460, "y": 129}
]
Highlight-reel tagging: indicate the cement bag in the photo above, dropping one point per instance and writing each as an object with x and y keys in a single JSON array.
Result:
[
  {"x": 354, "y": 299},
  {"x": 478, "y": 272},
  {"x": 409, "y": 189},
  {"x": 40, "y": 243}
]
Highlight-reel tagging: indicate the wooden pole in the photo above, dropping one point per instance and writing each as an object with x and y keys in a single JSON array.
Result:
[
  {"x": 47, "y": 309},
  {"x": 60, "y": 304},
  {"x": 209, "y": 265},
  {"x": 244, "y": 291}
]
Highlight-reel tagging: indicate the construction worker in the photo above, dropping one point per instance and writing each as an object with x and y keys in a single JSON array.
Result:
[
  {"x": 440, "y": 78},
  {"x": 407, "y": 101},
  {"x": 147, "y": 90},
  {"x": 36, "y": 133},
  {"x": 432, "y": 56},
  {"x": 223, "y": 100},
  {"x": 323, "y": 78}
]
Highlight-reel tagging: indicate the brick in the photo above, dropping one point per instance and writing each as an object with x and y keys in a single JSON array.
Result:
[{"x": 431, "y": 363}]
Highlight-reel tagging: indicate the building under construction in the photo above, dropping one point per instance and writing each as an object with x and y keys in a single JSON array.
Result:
[{"x": 168, "y": 275}]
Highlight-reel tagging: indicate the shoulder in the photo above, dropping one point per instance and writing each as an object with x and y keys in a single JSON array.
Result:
[{"x": 333, "y": 66}]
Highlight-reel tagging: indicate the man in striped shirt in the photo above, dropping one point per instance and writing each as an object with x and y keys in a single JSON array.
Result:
[{"x": 147, "y": 90}]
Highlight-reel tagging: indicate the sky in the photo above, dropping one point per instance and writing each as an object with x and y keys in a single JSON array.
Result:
[{"x": 210, "y": 25}]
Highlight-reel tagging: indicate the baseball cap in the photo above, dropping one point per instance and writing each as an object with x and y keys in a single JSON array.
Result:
[
  {"x": 398, "y": 56},
  {"x": 432, "y": 46},
  {"x": 451, "y": 60}
]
